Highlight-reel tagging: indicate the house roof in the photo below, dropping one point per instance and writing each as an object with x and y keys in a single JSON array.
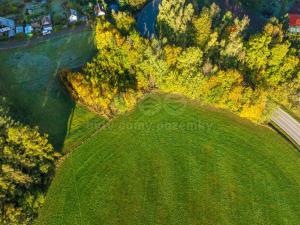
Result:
[
  {"x": 46, "y": 20},
  {"x": 8, "y": 26},
  {"x": 73, "y": 12},
  {"x": 294, "y": 20},
  {"x": 4, "y": 29},
  {"x": 28, "y": 29},
  {"x": 99, "y": 10},
  {"x": 19, "y": 29},
  {"x": 7, "y": 22}
]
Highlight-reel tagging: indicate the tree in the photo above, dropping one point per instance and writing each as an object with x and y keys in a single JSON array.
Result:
[
  {"x": 281, "y": 65},
  {"x": 112, "y": 81},
  {"x": 27, "y": 163},
  {"x": 134, "y": 5},
  {"x": 206, "y": 57},
  {"x": 203, "y": 24},
  {"x": 203, "y": 27},
  {"x": 257, "y": 55},
  {"x": 174, "y": 21},
  {"x": 124, "y": 22},
  {"x": 271, "y": 58}
]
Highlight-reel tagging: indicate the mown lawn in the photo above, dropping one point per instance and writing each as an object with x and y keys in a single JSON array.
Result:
[
  {"x": 171, "y": 162},
  {"x": 82, "y": 124},
  {"x": 28, "y": 77}
]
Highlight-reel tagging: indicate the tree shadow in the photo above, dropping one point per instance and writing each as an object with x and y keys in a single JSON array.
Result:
[
  {"x": 28, "y": 78},
  {"x": 50, "y": 110},
  {"x": 146, "y": 19}
]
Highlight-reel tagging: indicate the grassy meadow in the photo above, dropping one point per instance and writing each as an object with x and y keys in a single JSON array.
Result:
[
  {"x": 169, "y": 161},
  {"x": 173, "y": 162},
  {"x": 29, "y": 80}
]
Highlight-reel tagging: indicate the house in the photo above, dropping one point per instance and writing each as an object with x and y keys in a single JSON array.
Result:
[
  {"x": 294, "y": 18},
  {"x": 29, "y": 11},
  {"x": 7, "y": 27},
  {"x": 73, "y": 18},
  {"x": 28, "y": 30},
  {"x": 36, "y": 26},
  {"x": 46, "y": 25},
  {"x": 46, "y": 20},
  {"x": 99, "y": 10},
  {"x": 19, "y": 29}
]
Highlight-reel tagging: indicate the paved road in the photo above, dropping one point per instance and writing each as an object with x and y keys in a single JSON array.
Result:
[
  {"x": 288, "y": 124},
  {"x": 11, "y": 44}
]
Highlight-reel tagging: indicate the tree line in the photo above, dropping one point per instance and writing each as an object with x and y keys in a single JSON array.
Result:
[
  {"x": 27, "y": 162},
  {"x": 203, "y": 54}
]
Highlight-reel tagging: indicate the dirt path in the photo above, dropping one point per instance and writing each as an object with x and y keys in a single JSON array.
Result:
[{"x": 11, "y": 44}]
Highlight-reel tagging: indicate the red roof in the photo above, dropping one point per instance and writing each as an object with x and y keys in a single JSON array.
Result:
[{"x": 294, "y": 20}]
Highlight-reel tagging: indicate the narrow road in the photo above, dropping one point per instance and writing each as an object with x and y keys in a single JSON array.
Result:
[
  {"x": 288, "y": 124},
  {"x": 146, "y": 20},
  {"x": 11, "y": 44}
]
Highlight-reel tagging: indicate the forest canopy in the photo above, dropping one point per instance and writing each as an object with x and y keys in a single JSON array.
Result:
[
  {"x": 204, "y": 55},
  {"x": 27, "y": 163}
]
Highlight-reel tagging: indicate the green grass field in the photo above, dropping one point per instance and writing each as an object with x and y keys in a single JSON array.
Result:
[
  {"x": 82, "y": 125},
  {"x": 173, "y": 162},
  {"x": 29, "y": 79}
]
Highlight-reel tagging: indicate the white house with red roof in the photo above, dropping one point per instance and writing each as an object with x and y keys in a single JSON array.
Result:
[{"x": 294, "y": 19}]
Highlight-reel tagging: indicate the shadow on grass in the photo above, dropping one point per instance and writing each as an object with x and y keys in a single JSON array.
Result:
[
  {"x": 28, "y": 78},
  {"x": 50, "y": 110}
]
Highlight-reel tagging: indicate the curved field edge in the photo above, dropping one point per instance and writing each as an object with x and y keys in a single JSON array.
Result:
[
  {"x": 29, "y": 80},
  {"x": 180, "y": 165}
]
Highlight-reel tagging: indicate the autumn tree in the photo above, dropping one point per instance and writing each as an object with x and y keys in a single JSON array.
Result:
[
  {"x": 134, "y": 5},
  {"x": 27, "y": 163},
  {"x": 124, "y": 22},
  {"x": 205, "y": 56},
  {"x": 174, "y": 21},
  {"x": 203, "y": 24}
]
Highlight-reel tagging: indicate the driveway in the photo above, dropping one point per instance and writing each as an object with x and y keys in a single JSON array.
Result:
[{"x": 288, "y": 124}]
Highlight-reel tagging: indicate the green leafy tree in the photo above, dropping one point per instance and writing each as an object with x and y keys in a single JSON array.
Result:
[
  {"x": 203, "y": 24},
  {"x": 124, "y": 22},
  {"x": 27, "y": 163},
  {"x": 174, "y": 21},
  {"x": 206, "y": 57}
]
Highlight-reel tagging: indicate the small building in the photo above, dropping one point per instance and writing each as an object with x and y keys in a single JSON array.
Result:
[
  {"x": 294, "y": 18},
  {"x": 19, "y": 29},
  {"x": 46, "y": 25},
  {"x": 99, "y": 10},
  {"x": 7, "y": 27},
  {"x": 28, "y": 30},
  {"x": 29, "y": 11},
  {"x": 73, "y": 18},
  {"x": 294, "y": 23},
  {"x": 36, "y": 26},
  {"x": 46, "y": 20}
]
